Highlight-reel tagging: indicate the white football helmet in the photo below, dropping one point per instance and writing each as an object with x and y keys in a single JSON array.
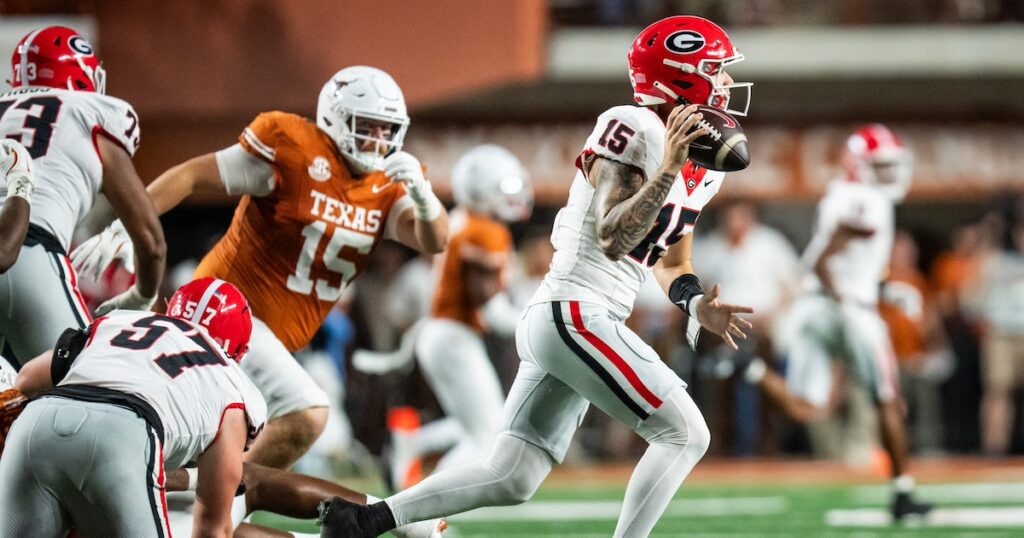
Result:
[
  {"x": 489, "y": 179},
  {"x": 362, "y": 93}
]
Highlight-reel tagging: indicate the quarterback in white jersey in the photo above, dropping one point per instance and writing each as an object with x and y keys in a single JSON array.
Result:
[
  {"x": 837, "y": 317},
  {"x": 117, "y": 403},
  {"x": 630, "y": 212},
  {"x": 81, "y": 142}
]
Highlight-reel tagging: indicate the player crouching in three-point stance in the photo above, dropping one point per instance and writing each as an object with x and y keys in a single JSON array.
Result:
[
  {"x": 630, "y": 212},
  {"x": 317, "y": 199},
  {"x": 120, "y": 401}
]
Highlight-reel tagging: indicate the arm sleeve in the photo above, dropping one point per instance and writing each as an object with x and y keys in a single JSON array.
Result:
[
  {"x": 402, "y": 203},
  {"x": 244, "y": 173},
  {"x": 117, "y": 121}
]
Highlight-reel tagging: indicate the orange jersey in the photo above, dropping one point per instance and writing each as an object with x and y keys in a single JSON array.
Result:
[
  {"x": 474, "y": 239},
  {"x": 293, "y": 251},
  {"x": 906, "y": 322}
]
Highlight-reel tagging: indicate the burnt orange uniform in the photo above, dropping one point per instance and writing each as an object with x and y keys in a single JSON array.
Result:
[
  {"x": 474, "y": 239},
  {"x": 293, "y": 251}
]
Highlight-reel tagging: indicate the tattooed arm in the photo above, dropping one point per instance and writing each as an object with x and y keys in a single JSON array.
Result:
[{"x": 626, "y": 205}]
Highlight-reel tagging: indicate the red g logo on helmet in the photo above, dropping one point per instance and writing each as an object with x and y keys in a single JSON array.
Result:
[
  {"x": 57, "y": 57},
  {"x": 681, "y": 60},
  {"x": 685, "y": 42}
]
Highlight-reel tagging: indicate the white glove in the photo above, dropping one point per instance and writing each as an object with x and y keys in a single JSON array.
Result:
[
  {"x": 16, "y": 164},
  {"x": 92, "y": 257},
  {"x": 129, "y": 300},
  {"x": 406, "y": 169}
]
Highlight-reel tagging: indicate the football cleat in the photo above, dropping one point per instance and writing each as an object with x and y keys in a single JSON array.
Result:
[{"x": 904, "y": 506}]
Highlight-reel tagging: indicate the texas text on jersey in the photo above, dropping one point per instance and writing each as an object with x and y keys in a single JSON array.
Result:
[{"x": 292, "y": 284}]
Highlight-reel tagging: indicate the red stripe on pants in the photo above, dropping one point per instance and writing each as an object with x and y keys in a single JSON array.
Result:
[{"x": 611, "y": 355}]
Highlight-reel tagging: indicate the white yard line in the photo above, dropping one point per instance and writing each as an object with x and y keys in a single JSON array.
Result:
[
  {"x": 609, "y": 510},
  {"x": 969, "y": 493},
  {"x": 940, "y": 517}
]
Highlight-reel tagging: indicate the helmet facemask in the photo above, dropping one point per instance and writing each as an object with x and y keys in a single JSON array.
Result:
[
  {"x": 723, "y": 92},
  {"x": 891, "y": 174}
]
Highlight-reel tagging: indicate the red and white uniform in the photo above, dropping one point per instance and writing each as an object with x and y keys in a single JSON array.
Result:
[
  {"x": 59, "y": 128},
  {"x": 580, "y": 271},
  {"x": 820, "y": 328},
  {"x": 147, "y": 393},
  {"x": 183, "y": 374},
  {"x": 574, "y": 344}
]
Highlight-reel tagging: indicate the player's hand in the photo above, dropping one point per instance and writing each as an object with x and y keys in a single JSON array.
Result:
[
  {"x": 680, "y": 130},
  {"x": 405, "y": 169},
  {"x": 93, "y": 256},
  {"x": 721, "y": 318},
  {"x": 128, "y": 300},
  {"x": 16, "y": 165}
]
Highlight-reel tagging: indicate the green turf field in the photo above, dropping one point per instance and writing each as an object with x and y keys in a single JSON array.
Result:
[{"x": 978, "y": 509}]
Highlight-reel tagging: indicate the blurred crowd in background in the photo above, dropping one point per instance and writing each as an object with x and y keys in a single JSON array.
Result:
[{"x": 788, "y": 12}]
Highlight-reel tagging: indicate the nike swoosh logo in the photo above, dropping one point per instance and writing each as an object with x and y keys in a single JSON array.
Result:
[
  {"x": 708, "y": 182},
  {"x": 378, "y": 188}
]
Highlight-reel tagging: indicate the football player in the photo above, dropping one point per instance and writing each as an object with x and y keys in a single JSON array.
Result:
[
  {"x": 317, "y": 198},
  {"x": 631, "y": 210},
  {"x": 120, "y": 400},
  {"x": 19, "y": 182},
  {"x": 81, "y": 142},
  {"x": 838, "y": 316},
  {"x": 491, "y": 188}
]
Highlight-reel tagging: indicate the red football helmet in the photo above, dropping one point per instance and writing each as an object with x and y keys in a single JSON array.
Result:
[
  {"x": 681, "y": 60},
  {"x": 57, "y": 57},
  {"x": 218, "y": 307},
  {"x": 876, "y": 156}
]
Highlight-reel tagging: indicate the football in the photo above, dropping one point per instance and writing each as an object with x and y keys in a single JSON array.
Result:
[{"x": 725, "y": 147}]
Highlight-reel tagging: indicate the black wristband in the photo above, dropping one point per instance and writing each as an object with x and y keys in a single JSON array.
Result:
[{"x": 683, "y": 289}]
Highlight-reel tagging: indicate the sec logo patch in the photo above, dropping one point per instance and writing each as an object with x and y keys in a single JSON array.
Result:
[{"x": 320, "y": 170}]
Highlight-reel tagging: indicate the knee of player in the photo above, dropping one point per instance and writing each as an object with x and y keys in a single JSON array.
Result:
[
  {"x": 519, "y": 487},
  {"x": 308, "y": 424},
  {"x": 698, "y": 438}
]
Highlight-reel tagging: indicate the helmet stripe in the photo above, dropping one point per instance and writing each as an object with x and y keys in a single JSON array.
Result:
[
  {"x": 205, "y": 301},
  {"x": 23, "y": 67}
]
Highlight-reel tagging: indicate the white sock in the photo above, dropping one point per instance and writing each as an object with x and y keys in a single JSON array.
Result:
[
  {"x": 510, "y": 475},
  {"x": 304, "y": 535},
  {"x": 678, "y": 438},
  {"x": 903, "y": 483}
]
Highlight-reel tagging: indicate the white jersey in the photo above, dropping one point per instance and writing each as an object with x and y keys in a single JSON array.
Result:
[
  {"x": 177, "y": 369},
  {"x": 579, "y": 270},
  {"x": 59, "y": 129},
  {"x": 860, "y": 267}
]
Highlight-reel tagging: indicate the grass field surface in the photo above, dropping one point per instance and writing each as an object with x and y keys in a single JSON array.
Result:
[{"x": 805, "y": 499}]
